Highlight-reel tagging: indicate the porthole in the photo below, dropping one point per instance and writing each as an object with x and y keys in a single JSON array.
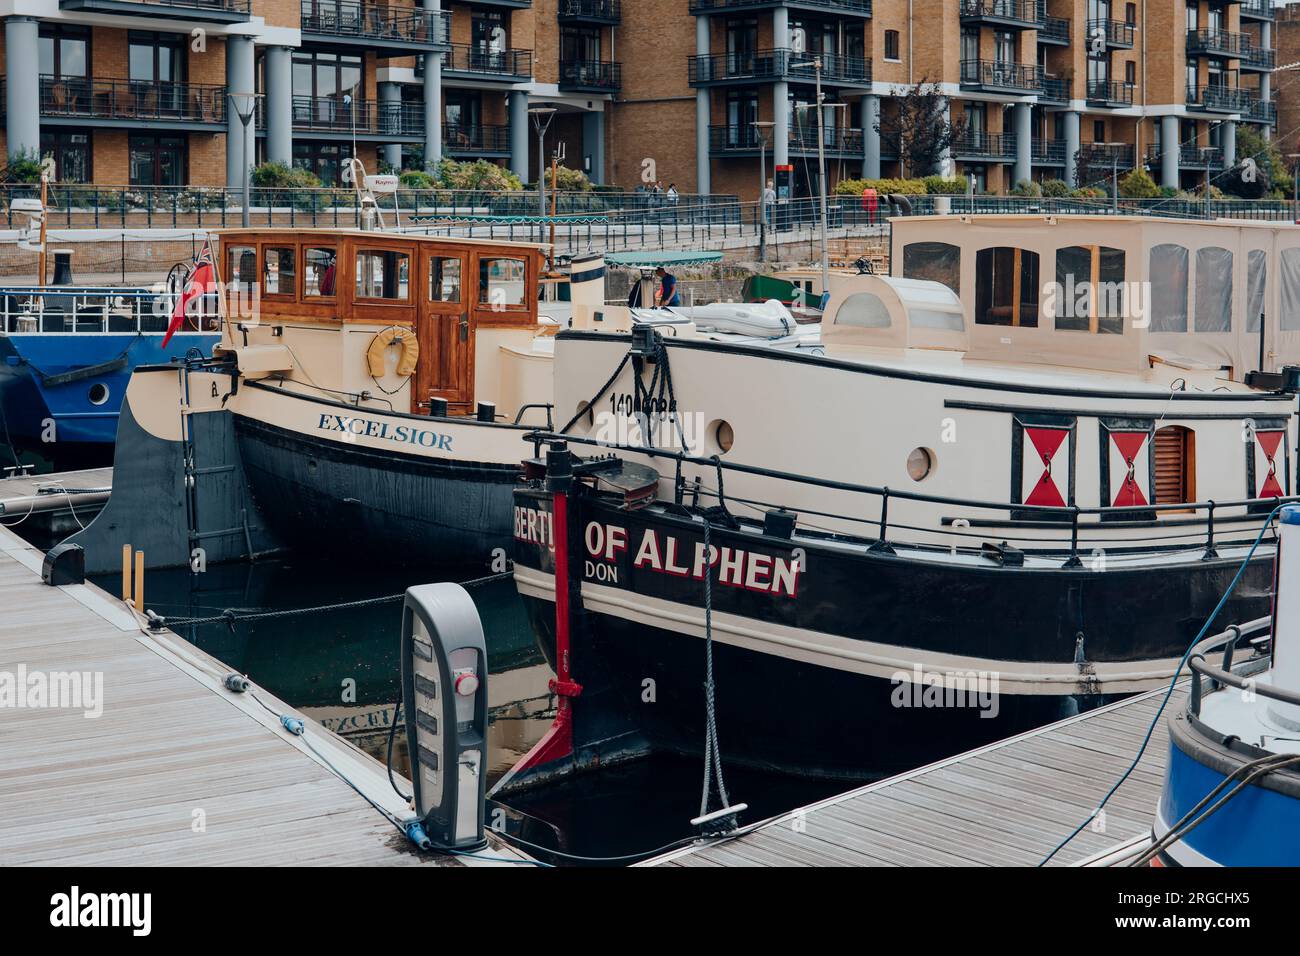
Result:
[
  {"x": 98, "y": 393},
  {"x": 583, "y": 411},
  {"x": 721, "y": 436},
  {"x": 920, "y": 464}
]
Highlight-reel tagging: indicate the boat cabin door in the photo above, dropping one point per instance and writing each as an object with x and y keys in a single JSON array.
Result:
[{"x": 445, "y": 329}]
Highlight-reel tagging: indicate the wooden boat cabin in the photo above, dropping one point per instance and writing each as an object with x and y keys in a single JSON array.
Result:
[{"x": 403, "y": 320}]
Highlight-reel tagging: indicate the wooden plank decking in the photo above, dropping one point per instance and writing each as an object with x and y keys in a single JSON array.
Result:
[
  {"x": 172, "y": 746},
  {"x": 1007, "y": 804},
  {"x": 23, "y": 495}
]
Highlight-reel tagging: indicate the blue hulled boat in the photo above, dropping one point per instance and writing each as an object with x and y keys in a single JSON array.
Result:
[
  {"x": 1231, "y": 793},
  {"x": 66, "y": 355}
]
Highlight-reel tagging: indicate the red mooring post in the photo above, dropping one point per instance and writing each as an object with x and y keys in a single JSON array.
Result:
[{"x": 557, "y": 743}]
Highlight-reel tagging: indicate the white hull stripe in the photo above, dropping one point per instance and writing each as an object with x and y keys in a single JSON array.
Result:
[{"x": 869, "y": 658}]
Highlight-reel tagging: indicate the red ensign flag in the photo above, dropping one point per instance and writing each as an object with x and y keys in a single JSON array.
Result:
[{"x": 202, "y": 280}]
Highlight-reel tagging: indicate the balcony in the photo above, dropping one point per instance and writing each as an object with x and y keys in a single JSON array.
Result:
[
  {"x": 839, "y": 142},
  {"x": 1218, "y": 99},
  {"x": 381, "y": 28},
  {"x": 1189, "y": 157},
  {"x": 1053, "y": 89},
  {"x": 1260, "y": 111},
  {"x": 1052, "y": 29},
  {"x": 1217, "y": 43},
  {"x": 1116, "y": 34},
  {"x": 1017, "y": 14},
  {"x": 772, "y": 65},
  {"x": 1258, "y": 59},
  {"x": 1110, "y": 93},
  {"x": 366, "y": 120},
  {"x": 1256, "y": 9},
  {"x": 985, "y": 146},
  {"x": 590, "y": 76},
  {"x": 68, "y": 101},
  {"x": 191, "y": 11},
  {"x": 1119, "y": 155},
  {"x": 483, "y": 63},
  {"x": 1047, "y": 152},
  {"x": 994, "y": 77},
  {"x": 605, "y": 12},
  {"x": 476, "y": 140},
  {"x": 843, "y": 8}
]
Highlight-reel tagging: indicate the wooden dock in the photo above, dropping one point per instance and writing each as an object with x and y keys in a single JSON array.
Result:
[
  {"x": 176, "y": 769},
  {"x": 1006, "y": 804},
  {"x": 24, "y": 495}
]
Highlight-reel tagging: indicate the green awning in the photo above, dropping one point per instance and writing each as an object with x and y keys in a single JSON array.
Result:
[{"x": 652, "y": 260}]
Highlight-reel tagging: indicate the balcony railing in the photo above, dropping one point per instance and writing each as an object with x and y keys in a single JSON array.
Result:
[
  {"x": 590, "y": 11},
  {"x": 1119, "y": 155},
  {"x": 845, "y": 7},
  {"x": 1110, "y": 93},
  {"x": 776, "y": 64},
  {"x": 1257, "y": 9},
  {"x": 1114, "y": 33},
  {"x": 368, "y": 118},
  {"x": 1013, "y": 13},
  {"x": 990, "y": 74},
  {"x": 369, "y": 23},
  {"x": 1258, "y": 58},
  {"x": 205, "y": 11},
  {"x": 1219, "y": 99},
  {"x": 1053, "y": 89},
  {"x": 837, "y": 141},
  {"x": 1048, "y": 152},
  {"x": 476, "y": 139},
  {"x": 985, "y": 145},
  {"x": 1261, "y": 111},
  {"x": 1189, "y": 157},
  {"x": 1052, "y": 29},
  {"x": 484, "y": 61},
  {"x": 132, "y": 100},
  {"x": 1217, "y": 42},
  {"x": 593, "y": 75}
]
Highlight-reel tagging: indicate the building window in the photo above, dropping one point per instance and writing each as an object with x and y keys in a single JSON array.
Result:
[
  {"x": 1099, "y": 131},
  {"x": 325, "y": 160},
  {"x": 488, "y": 32},
  {"x": 71, "y": 152},
  {"x": 1175, "y": 465},
  {"x": 891, "y": 44},
  {"x": 64, "y": 51},
  {"x": 327, "y": 76},
  {"x": 156, "y": 57},
  {"x": 1130, "y": 73},
  {"x": 1006, "y": 287},
  {"x": 157, "y": 160},
  {"x": 1131, "y": 14}
]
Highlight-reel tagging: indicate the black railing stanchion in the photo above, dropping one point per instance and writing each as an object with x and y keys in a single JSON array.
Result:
[
  {"x": 1194, "y": 704},
  {"x": 1210, "y": 553},
  {"x": 1073, "y": 560},
  {"x": 882, "y": 545}
]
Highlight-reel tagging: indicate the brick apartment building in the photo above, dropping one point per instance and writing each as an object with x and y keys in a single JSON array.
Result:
[{"x": 682, "y": 91}]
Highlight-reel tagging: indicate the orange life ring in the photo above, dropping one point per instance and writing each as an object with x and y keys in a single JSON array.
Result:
[{"x": 406, "y": 362}]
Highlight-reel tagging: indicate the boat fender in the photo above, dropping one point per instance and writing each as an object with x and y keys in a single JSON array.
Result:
[
  {"x": 410, "y": 351},
  {"x": 292, "y": 724}
]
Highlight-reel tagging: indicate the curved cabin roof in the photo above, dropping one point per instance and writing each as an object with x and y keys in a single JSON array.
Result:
[
  {"x": 878, "y": 311},
  {"x": 1122, "y": 293}
]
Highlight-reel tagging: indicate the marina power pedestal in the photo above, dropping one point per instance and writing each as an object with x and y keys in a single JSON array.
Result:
[{"x": 444, "y": 698}]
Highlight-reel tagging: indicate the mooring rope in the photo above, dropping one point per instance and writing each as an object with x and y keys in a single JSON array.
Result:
[
  {"x": 230, "y": 616},
  {"x": 712, "y": 752}
]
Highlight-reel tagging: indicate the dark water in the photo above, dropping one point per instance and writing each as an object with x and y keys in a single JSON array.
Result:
[{"x": 342, "y": 668}]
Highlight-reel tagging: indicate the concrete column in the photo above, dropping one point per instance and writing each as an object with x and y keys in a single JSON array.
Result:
[
  {"x": 703, "y": 109},
  {"x": 593, "y": 143},
  {"x": 239, "y": 79},
  {"x": 23, "y": 89},
  {"x": 1024, "y": 156},
  {"x": 520, "y": 130},
  {"x": 1071, "y": 145},
  {"x": 390, "y": 109},
  {"x": 1169, "y": 151},
  {"x": 1228, "y": 142},
  {"x": 781, "y": 92},
  {"x": 870, "y": 137},
  {"x": 433, "y": 105},
  {"x": 279, "y": 104},
  {"x": 1266, "y": 79},
  {"x": 946, "y": 165}
]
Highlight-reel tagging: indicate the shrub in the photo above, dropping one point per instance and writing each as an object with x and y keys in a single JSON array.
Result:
[
  {"x": 941, "y": 186},
  {"x": 1088, "y": 192},
  {"x": 24, "y": 166},
  {"x": 1138, "y": 184},
  {"x": 280, "y": 176},
  {"x": 1027, "y": 187},
  {"x": 1055, "y": 188},
  {"x": 905, "y": 187},
  {"x": 480, "y": 175},
  {"x": 569, "y": 180},
  {"x": 416, "y": 179}
]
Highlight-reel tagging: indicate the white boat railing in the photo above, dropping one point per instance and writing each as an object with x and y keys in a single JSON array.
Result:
[{"x": 29, "y": 310}]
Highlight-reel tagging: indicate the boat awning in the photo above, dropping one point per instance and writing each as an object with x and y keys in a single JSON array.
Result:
[{"x": 653, "y": 260}]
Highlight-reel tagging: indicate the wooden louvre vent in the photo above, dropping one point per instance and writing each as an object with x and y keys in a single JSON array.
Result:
[{"x": 1174, "y": 481}]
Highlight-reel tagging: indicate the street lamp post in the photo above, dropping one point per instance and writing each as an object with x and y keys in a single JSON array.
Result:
[
  {"x": 1295, "y": 185},
  {"x": 249, "y": 102},
  {"x": 542, "y": 116},
  {"x": 762, "y": 127},
  {"x": 816, "y": 64}
]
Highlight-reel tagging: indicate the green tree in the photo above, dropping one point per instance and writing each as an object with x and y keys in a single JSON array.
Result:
[
  {"x": 922, "y": 128},
  {"x": 1138, "y": 184},
  {"x": 1259, "y": 166}
]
